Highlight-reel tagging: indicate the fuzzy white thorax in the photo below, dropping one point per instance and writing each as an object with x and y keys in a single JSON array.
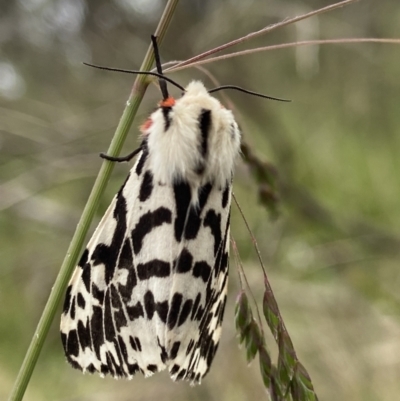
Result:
[{"x": 175, "y": 153}]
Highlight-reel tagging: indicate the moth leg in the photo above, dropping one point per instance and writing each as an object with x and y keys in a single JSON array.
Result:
[{"x": 120, "y": 159}]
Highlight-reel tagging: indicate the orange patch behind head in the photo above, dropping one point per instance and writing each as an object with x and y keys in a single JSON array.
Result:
[
  {"x": 168, "y": 102},
  {"x": 146, "y": 125}
]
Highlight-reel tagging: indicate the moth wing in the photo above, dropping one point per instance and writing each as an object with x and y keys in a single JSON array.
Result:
[
  {"x": 202, "y": 276},
  {"x": 105, "y": 325}
]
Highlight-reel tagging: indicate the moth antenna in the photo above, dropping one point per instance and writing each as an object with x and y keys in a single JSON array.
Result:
[
  {"x": 154, "y": 74},
  {"x": 163, "y": 84},
  {"x": 238, "y": 88}
]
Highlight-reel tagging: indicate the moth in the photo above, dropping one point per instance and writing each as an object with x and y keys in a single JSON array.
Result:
[{"x": 149, "y": 291}]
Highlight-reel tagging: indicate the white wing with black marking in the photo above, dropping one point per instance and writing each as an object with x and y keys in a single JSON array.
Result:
[{"x": 149, "y": 291}]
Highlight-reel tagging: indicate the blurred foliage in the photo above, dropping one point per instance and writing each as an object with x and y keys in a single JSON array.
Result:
[{"x": 331, "y": 255}]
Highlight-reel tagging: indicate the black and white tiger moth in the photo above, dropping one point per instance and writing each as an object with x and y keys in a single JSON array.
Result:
[{"x": 150, "y": 289}]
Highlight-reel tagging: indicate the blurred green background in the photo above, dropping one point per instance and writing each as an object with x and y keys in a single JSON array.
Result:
[{"x": 332, "y": 256}]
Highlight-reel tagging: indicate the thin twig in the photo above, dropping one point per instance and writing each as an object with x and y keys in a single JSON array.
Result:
[
  {"x": 182, "y": 66},
  {"x": 241, "y": 265},
  {"x": 238, "y": 262},
  {"x": 261, "y": 32},
  {"x": 253, "y": 239}
]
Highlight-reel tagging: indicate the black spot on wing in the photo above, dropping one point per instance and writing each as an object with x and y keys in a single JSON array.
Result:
[
  {"x": 186, "y": 308},
  {"x": 221, "y": 312},
  {"x": 120, "y": 214},
  {"x": 81, "y": 301},
  {"x": 204, "y": 324},
  {"x": 204, "y": 193},
  {"x": 73, "y": 363},
  {"x": 225, "y": 195},
  {"x": 84, "y": 258},
  {"x": 101, "y": 254},
  {"x": 154, "y": 268},
  {"x": 97, "y": 294},
  {"x": 167, "y": 118},
  {"x": 71, "y": 344},
  {"x": 210, "y": 293},
  {"x": 108, "y": 254},
  {"x": 126, "y": 262},
  {"x": 96, "y": 328},
  {"x": 213, "y": 220},
  {"x": 162, "y": 310},
  {"x": 109, "y": 329},
  {"x": 202, "y": 269},
  {"x": 135, "y": 311},
  {"x": 186, "y": 213},
  {"x": 113, "y": 364},
  {"x": 181, "y": 374},
  {"x": 135, "y": 343},
  {"x": 184, "y": 261},
  {"x": 148, "y": 222},
  {"x": 64, "y": 341},
  {"x": 152, "y": 368},
  {"x": 174, "y": 369},
  {"x": 104, "y": 369},
  {"x": 142, "y": 157},
  {"x": 119, "y": 314},
  {"x": 91, "y": 368},
  {"x": 110, "y": 362},
  {"x": 164, "y": 354},
  {"x": 126, "y": 290},
  {"x": 84, "y": 334},
  {"x": 199, "y": 314},
  {"x": 224, "y": 263},
  {"x": 67, "y": 300},
  {"x": 189, "y": 347},
  {"x": 86, "y": 276},
  {"x": 175, "y": 349},
  {"x": 183, "y": 196},
  {"x": 221, "y": 260},
  {"x": 72, "y": 309},
  {"x": 149, "y": 304},
  {"x": 146, "y": 188},
  {"x": 194, "y": 221},
  {"x": 211, "y": 350},
  {"x": 195, "y": 306},
  {"x": 124, "y": 351},
  {"x": 174, "y": 310},
  {"x": 133, "y": 368},
  {"x": 118, "y": 362}
]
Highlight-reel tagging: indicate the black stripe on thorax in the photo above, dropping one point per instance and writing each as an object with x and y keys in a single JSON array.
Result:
[
  {"x": 204, "y": 125},
  {"x": 204, "y": 122},
  {"x": 167, "y": 118}
]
